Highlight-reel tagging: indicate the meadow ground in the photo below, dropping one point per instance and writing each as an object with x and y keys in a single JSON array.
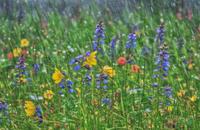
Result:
[{"x": 85, "y": 74}]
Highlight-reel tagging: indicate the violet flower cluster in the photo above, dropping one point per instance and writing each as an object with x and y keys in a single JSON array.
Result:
[
  {"x": 102, "y": 81},
  {"x": 160, "y": 34},
  {"x": 3, "y": 112},
  {"x": 21, "y": 70},
  {"x": 99, "y": 37}
]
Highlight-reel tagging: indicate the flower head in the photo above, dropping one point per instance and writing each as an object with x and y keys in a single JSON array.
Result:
[
  {"x": 78, "y": 90},
  {"x": 91, "y": 59},
  {"x": 3, "y": 106},
  {"x": 131, "y": 43},
  {"x": 190, "y": 65},
  {"x": 39, "y": 114},
  {"x": 24, "y": 43},
  {"x": 106, "y": 101},
  {"x": 29, "y": 108},
  {"x": 181, "y": 93},
  {"x": 57, "y": 76},
  {"x": 36, "y": 67},
  {"x": 48, "y": 94},
  {"x": 170, "y": 108},
  {"x": 109, "y": 71},
  {"x": 99, "y": 37},
  {"x": 17, "y": 52},
  {"x": 10, "y": 55},
  {"x": 121, "y": 61},
  {"x": 160, "y": 34},
  {"x": 135, "y": 68},
  {"x": 193, "y": 98}
]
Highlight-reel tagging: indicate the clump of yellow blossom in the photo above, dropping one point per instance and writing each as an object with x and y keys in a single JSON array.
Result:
[
  {"x": 17, "y": 52},
  {"x": 29, "y": 108},
  {"x": 91, "y": 59},
  {"x": 57, "y": 76},
  {"x": 78, "y": 91},
  {"x": 48, "y": 94},
  {"x": 190, "y": 66},
  {"x": 24, "y": 43},
  {"x": 109, "y": 71},
  {"x": 181, "y": 93},
  {"x": 193, "y": 98},
  {"x": 22, "y": 79},
  {"x": 170, "y": 108}
]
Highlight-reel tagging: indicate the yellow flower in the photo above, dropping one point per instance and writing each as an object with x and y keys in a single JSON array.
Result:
[
  {"x": 22, "y": 79},
  {"x": 29, "y": 108},
  {"x": 193, "y": 98},
  {"x": 181, "y": 93},
  {"x": 78, "y": 91},
  {"x": 17, "y": 52},
  {"x": 109, "y": 71},
  {"x": 57, "y": 76},
  {"x": 190, "y": 66},
  {"x": 24, "y": 43},
  {"x": 170, "y": 108},
  {"x": 91, "y": 59},
  {"x": 138, "y": 33},
  {"x": 48, "y": 94}
]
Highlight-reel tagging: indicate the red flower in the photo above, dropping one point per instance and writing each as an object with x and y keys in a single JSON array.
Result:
[
  {"x": 121, "y": 61},
  {"x": 10, "y": 55},
  {"x": 135, "y": 68}
]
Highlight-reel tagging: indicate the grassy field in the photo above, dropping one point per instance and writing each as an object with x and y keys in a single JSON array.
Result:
[{"x": 83, "y": 74}]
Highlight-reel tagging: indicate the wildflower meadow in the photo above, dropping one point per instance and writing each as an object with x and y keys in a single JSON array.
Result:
[{"x": 86, "y": 73}]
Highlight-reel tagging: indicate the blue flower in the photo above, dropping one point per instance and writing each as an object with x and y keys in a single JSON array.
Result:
[
  {"x": 112, "y": 47},
  {"x": 39, "y": 114},
  {"x": 21, "y": 70},
  {"x": 145, "y": 50},
  {"x": 113, "y": 43},
  {"x": 87, "y": 79},
  {"x": 160, "y": 34},
  {"x": 99, "y": 37},
  {"x": 77, "y": 67},
  {"x": 36, "y": 68},
  {"x": 131, "y": 43},
  {"x": 168, "y": 92},
  {"x": 102, "y": 81},
  {"x": 62, "y": 84},
  {"x": 72, "y": 61},
  {"x": 71, "y": 90},
  {"x": 106, "y": 101},
  {"x": 4, "y": 111},
  {"x": 3, "y": 106},
  {"x": 155, "y": 84}
]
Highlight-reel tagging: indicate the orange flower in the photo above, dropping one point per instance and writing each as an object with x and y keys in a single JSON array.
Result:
[
  {"x": 135, "y": 68},
  {"x": 121, "y": 61}
]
